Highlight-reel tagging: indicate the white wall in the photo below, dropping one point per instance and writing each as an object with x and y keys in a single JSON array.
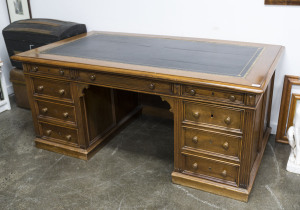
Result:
[
  {"x": 4, "y": 21},
  {"x": 241, "y": 20}
]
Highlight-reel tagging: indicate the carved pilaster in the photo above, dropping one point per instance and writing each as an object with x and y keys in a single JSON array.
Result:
[
  {"x": 79, "y": 102},
  {"x": 247, "y": 149}
]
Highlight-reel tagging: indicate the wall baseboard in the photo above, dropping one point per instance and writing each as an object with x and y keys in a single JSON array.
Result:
[
  {"x": 4, "y": 105},
  {"x": 274, "y": 127},
  {"x": 10, "y": 89}
]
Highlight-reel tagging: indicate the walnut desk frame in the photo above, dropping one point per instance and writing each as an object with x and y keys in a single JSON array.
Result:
[{"x": 82, "y": 89}]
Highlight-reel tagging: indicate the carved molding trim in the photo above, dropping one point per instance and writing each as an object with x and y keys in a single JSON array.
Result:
[
  {"x": 81, "y": 88},
  {"x": 170, "y": 101},
  {"x": 74, "y": 74},
  {"x": 176, "y": 89},
  {"x": 251, "y": 99}
]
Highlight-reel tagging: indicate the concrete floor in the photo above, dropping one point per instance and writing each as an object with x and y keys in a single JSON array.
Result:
[{"x": 133, "y": 171}]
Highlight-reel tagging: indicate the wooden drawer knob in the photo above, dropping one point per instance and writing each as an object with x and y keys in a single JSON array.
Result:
[
  {"x": 40, "y": 88},
  {"x": 195, "y": 139},
  {"x": 227, "y": 120},
  {"x": 61, "y": 92},
  {"x": 195, "y": 166},
  {"x": 196, "y": 115},
  {"x": 35, "y": 69},
  {"x": 192, "y": 92},
  {"x": 232, "y": 98},
  {"x": 61, "y": 72},
  {"x": 152, "y": 86},
  {"x": 93, "y": 77},
  {"x": 224, "y": 173},
  {"x": 68, "y": 137},
  {"x": 45, "y": 110},
  {"x": 66, "y": 114},
  {"x": 48, "y": 132},
  {"x": 225, "y": 145}
]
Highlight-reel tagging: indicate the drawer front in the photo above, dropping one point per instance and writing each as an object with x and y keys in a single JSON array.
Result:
[
  {"x": 59, "y": 134},
  {"x": 129, "y": 83},
  {"x": 53, "y": 88},
  {"x": 49, "y": 70},
  {"x": 211, "y": 168},
  {"x": 217, "y": 95},
  {"x": 214, "y": 115},
  {"x": 57, "y": 111},
  {"x": 212, "y": 142}
]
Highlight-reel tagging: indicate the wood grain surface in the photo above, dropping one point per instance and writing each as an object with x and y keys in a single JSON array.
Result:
[{"x": 221, "y": 123}]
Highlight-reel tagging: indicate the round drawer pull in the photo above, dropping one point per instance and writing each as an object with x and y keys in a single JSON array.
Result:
[
  {"x": 195, "y": 166},
  {"x": 61, "y": 72},
  {"x": 192, "y": 92},
  {"x": 68, "y": 137},
  {"x": 35, "y": 69},
  {"x": 45, "y": 110},
  {"x": 152, "y": 86},
  {"x": 225, "y": 145},
  {"x": 40, "y": 88},
  {"x": 227, "y": 120},
  {"x": 61, "y": 92},
  {"x": 48, "y": 132},
  {"x": 224, "y": 173},
  {"x": 66, "y": 114},
  {"x": 196, "y": 115},
  {"x": 232, "y": 98},
  {"x": 195, "y": 139},
  {"x": 93, "y": 77}
]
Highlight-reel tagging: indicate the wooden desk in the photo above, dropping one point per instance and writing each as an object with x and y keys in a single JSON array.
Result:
[{"x": 82, "y": 89}]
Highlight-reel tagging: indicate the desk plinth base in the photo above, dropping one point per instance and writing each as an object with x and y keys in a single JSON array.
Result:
[
  {"x": 62, "y": 149},
  {"x": 209, "y": 186}
]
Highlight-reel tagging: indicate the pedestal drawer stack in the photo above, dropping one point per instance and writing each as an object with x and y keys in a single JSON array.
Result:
[
  {"x": 212, "y": 131},
  {"x": 54, "y": 105}
]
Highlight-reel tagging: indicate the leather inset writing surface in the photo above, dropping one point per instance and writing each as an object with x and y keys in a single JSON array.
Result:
[{"x": 196, "y": 56}]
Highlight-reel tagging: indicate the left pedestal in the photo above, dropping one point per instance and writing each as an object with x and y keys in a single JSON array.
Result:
[{"x": 72, "y": 118}]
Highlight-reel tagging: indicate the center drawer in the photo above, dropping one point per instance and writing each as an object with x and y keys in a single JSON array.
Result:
[
  {"x": 57, "y": 111},
  {"x": 222, "y": 116},
  {"x": 211, "y": 141},
  {"x": 129, "y": 83}
]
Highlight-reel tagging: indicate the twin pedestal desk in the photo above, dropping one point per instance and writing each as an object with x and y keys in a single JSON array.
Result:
[{"x": 82, "y": 89}]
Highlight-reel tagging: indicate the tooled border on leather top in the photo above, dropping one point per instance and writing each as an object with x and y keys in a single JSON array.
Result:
[{"x": 195, "y": 56}]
